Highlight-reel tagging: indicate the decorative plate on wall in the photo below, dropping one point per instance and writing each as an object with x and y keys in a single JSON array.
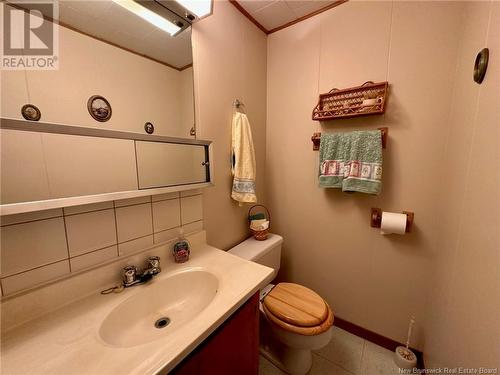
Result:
[
  {"x": 481, "y": 65},
  {"x": 31, "y": 112},
  {"x": 149, "y": 128},
  {"x": 99, "y": 108}
]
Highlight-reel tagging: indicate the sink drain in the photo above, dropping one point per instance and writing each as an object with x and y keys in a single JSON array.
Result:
[{"x": 162, "y": 323}]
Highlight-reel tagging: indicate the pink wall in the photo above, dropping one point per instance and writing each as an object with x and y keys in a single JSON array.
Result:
[
  {"x": 374, "y": 281},
  {"x": 229, "y": 55},
  {"x": 462, "y": 326},
  {"x": 440, "y": 162}
]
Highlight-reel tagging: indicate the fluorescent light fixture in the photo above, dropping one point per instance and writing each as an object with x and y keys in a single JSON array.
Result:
[
  {"x": 149, "y": 16},
  {"x": 200, "y": 8}
]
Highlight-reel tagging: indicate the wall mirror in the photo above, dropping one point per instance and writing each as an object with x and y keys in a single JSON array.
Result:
[
  {"x": 114, "y": 118},
  {"x": 105, "y": 48},
  {"x": 46, "y": 165},
  {"x": 169, "y": 164}
]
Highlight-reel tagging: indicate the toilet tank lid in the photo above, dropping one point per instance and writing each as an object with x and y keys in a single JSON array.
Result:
[{"x": 250, "y": 249}]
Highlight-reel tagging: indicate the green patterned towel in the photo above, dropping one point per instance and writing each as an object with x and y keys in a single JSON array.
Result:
[{"x": 351, "y": 161}]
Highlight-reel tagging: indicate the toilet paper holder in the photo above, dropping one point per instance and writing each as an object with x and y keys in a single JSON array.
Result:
[{"x": 376, "y": 219}]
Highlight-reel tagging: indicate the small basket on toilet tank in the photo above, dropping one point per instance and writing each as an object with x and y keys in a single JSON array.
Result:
[{"x": 259, "y": 220}]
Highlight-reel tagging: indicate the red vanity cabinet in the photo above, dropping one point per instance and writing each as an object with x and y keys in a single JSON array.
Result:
[{"x": 232, "y": 349}]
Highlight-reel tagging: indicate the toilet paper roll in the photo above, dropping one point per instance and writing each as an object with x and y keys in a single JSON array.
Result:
[{"x": 393, "y": 223}]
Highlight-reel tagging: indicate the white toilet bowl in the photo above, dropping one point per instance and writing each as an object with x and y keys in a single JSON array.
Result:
[
  {"x": 293, "y": 345},
  {"x": 296, "y": 320},
  {"x": 292, "y": 352}
]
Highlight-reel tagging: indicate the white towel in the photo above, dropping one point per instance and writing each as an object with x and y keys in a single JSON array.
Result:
[{"x": 242, "y": 160}]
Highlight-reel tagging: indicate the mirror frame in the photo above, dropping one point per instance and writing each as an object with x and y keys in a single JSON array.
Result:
[{"x": 43, "y": 127}]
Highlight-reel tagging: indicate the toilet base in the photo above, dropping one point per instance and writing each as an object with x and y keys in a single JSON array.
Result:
[
  {"x": 294, "y": 361},
  {"x": 290, "y": 352},
  {"x": 290, "y": 360},
  {"x": 267, "y": 354}
]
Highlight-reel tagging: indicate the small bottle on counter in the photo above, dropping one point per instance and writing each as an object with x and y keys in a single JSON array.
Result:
[{"x": 181, "y": 249}]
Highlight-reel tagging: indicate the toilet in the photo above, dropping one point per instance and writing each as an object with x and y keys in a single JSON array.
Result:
[{"x": 296, "y": 320}]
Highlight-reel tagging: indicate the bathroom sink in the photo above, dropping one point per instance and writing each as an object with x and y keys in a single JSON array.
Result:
[{"x": 159, "y": 308}]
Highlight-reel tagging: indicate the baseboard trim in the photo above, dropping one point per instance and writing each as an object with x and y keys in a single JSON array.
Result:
[{"x": 380, "y": 340}]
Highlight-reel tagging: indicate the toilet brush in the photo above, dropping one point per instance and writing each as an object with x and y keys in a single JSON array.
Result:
[{"x": 404, "y": 357}]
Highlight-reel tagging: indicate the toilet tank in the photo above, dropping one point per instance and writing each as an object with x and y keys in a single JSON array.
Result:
[{"x": 267, "y": 252}]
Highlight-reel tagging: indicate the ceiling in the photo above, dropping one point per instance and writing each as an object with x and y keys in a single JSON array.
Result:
[
  {"x": 107, "y": 21},
  {"x": 273, "y": 14},
  {"x": 110, "y": 22}
]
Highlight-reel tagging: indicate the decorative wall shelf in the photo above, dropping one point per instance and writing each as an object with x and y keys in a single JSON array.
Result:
[{"x": 367, "y": 99}]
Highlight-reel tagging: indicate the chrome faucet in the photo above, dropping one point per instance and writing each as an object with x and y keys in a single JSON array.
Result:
[{"x": 131, "y": 275}]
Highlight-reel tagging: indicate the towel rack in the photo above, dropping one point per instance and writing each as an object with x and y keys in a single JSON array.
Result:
[
  {"x": 316, "y": 138},
  {"x": 239, "y": 106},
  {"x": 237, "y": 103}
]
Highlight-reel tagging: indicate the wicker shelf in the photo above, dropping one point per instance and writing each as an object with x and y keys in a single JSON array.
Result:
[{"x": 367, "y": 99}]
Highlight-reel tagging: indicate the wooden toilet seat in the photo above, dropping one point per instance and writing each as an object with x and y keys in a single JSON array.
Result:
[{"x": 298, "y": 309}]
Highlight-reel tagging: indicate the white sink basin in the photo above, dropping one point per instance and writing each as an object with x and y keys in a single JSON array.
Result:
[
  {"x": 114, "y": 334},
  {"x": 170, "y": 303}
]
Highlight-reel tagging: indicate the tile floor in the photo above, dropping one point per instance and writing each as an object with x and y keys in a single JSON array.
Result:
[{"x": 346, "y": 354}]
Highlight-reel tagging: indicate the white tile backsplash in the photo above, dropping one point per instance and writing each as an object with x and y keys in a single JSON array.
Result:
[
  {"x": 170, "y": 234},
  {"x": 34, "y": 277},
  {"x": 30, "y": 216},
  {"x": 162, "y": 197},
  {"x": 132, "y": 201},
  {"x": 35, "y": 245},
  {"x": 93, "y": 258},
  {"x": 133, "y": 222},
  {"x": 90, "y": 231},
  {"x": 87, "y": 208},
  {"x": 191, "y": 209},
  {"x": 133, "y": 246},
  {"x": 30, "y": 245},
  {"x": 193, "y": 227},
  {"x": 166, "y": 235},
  {"x": 190, "y": 193},
  {"x": 166, "y": 215}
]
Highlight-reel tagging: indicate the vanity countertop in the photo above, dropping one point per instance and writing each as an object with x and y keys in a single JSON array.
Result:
[{"x": 68, "y": 340}]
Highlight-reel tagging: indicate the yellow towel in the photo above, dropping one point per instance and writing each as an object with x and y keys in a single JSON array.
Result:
[{"x": 243, "y": 160}]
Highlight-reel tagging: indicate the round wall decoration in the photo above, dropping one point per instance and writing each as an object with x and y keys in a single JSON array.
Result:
[
  {"x": 99, "y": 108},
  {"x": 149, "y": 128},
  {"x": 31, "y": 112},
  {"x": 481, "y": 65}
]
